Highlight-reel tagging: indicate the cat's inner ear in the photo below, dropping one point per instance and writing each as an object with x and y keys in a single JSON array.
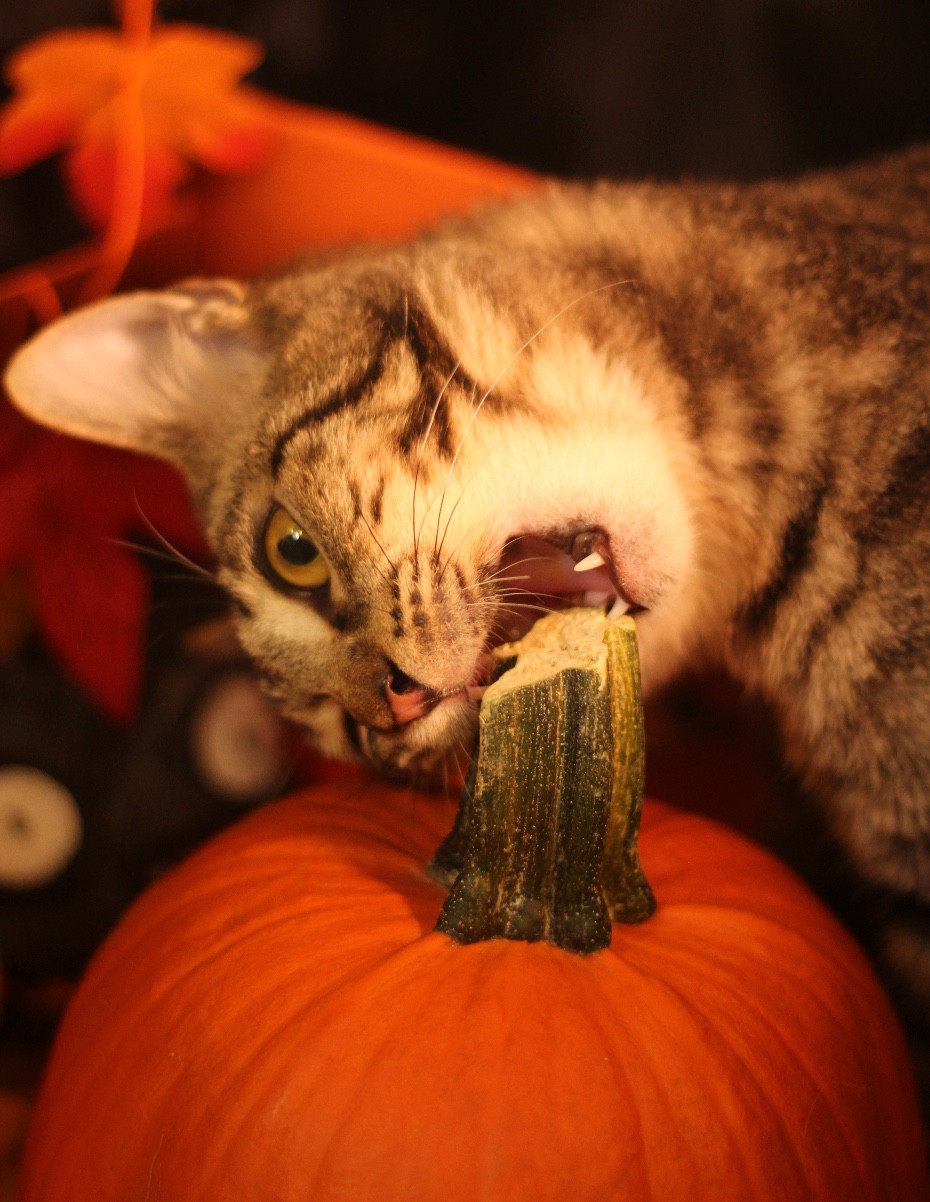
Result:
[{"x": 145, "y": 370}]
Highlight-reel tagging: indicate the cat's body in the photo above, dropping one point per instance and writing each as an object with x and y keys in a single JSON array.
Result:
[{"x": 722, "y": 392}]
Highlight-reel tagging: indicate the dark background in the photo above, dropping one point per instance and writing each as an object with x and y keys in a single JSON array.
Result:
[{"x": 741, "y": 88}]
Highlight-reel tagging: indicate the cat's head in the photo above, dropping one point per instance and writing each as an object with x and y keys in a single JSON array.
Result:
[{"x": 397, "y": 470}]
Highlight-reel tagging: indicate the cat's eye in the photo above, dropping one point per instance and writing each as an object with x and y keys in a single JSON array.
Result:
[{"x": 291, "y": 554}]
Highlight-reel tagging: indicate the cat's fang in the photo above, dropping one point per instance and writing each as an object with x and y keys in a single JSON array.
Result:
[
  {"x": 594, "y": 560},
  {"x": 619, "y": 607}
]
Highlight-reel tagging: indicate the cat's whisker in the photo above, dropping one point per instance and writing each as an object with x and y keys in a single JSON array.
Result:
[
  {"x": 509, "y": 598},
  {"x": 448, "y": 477},
  {"x": 506, "y": 571},
  {"x": 441, "y": 496},
  {"x": 419, "y": 532},
  {"x": 378, "y": 544},
  {"x": 384, "y": 576},
  {"x": 462, "y": 752},
  {"x": 214, "y": 590},
  {"x": 170, "y": 556},
  {"x": 437, "y": 551},
  {"x": 186, "y": 624},
  {"x": 165, "y": 542},
  {"x": 501, "y": 596},
  {"x": 177, "y": 604},
  {"x": 420, "y": 452},
  {"x": 531, "y": 605},
  {"x": 506, "y": 590},
  {"x": 446, "y": 790}
]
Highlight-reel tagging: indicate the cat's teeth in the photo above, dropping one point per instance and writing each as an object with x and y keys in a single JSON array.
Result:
[
  {"x": 619, "y": 607},
  {"x": 597, "y": 598},
  {"x": 594, "y": 560}
]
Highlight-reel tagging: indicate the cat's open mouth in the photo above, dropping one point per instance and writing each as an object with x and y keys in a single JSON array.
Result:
[{"x": 537, "y": 574}]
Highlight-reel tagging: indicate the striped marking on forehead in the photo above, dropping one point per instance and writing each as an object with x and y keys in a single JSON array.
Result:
[{"x": 425, "y": 413}]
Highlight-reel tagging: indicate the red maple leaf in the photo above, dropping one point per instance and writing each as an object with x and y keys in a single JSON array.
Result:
[{"x": 71, "y": 510}]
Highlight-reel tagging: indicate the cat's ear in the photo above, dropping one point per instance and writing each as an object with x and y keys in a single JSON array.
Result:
[{"x": 146, "y": 370}]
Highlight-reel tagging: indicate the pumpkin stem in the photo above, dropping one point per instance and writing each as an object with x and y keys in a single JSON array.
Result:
[{"x": 544, "y": 845}]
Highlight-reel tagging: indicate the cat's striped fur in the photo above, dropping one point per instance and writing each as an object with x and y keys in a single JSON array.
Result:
[{"x": 728, "y": 385}]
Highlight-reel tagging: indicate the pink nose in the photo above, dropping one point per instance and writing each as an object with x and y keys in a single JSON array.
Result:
[{"x": 408, "y": 699}]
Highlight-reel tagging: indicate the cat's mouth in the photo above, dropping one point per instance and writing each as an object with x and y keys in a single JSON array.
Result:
[
  {"x": 535, "y": 574},
  {"x": 543, "y": 572},
  {"x": 538, "y": 573}
]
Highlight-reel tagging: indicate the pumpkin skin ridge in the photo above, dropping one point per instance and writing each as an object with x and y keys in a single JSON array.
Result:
[
  {"x": 747, "y": 923},
  {"x": 660, "y": 817},
  {"x": 809, "y": 982},
  {"x": 306, "y": 809},
  {"x": 347, "y": 1105},
  {"x": 832, "y": 944},
  {"x": 355, "y": 977},
  {"x": 500, "y": 973},
  {"x": 319, "y": 1189},
  {"x": 263, "y": 927},
  {"x": 419, "y": 949},
  {"x": 561, "y": 964},
  {"x": 721, "y": 1033},
  {"x": 417, "y": 802},
  {"x": 305, "y": 1011},
  {"x": 724, "y": 1098},
  {"x": 338, "y": 839},
  {"x": 621, "y": 1074},
  {"x": 323, "y": 1168}
]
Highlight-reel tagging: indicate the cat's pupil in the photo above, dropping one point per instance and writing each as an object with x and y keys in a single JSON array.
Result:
[{"x": 296, "y": 549}]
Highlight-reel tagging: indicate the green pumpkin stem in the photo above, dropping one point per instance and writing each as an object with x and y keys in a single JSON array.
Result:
[{"x": 544, "y": 846}]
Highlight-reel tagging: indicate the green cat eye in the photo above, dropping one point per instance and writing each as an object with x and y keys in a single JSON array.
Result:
[{"x": 290, "y": 553}]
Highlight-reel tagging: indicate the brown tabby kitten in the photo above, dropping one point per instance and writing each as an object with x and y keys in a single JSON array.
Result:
[{"x": 707, "y": 403}]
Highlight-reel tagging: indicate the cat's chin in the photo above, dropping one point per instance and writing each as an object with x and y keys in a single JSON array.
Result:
[
  {"x": 432, "y": 751},
  {"x": 439, "y": 766}
]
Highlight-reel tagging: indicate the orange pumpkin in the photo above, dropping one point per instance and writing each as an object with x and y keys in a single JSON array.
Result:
[{"x": 276, "y": 1020}]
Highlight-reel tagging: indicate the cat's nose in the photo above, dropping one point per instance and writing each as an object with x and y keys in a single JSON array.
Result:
[{"x": 407, "y": 698}]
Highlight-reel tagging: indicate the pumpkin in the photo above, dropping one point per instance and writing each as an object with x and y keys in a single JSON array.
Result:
[{"x": 277, "y": 1020}]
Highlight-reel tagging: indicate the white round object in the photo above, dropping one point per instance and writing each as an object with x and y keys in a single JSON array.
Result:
[
  {"x": 40, "y": 827},
  {"x": 236, "y": 741}
]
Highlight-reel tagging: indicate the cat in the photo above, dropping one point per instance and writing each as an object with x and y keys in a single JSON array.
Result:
[{"x": 705, "y": 403}]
